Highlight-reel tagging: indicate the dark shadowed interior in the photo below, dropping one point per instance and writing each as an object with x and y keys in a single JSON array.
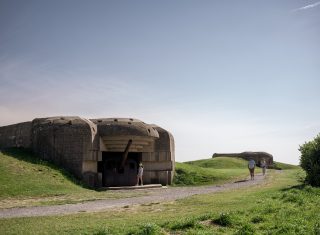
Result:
[{"x": 113, "y": 174}]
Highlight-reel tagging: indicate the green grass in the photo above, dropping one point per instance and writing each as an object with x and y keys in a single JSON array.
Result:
[
  {"x": 211, "y": 171},
  {"x": 22, "y": 174},
  {"x": 26, "y": 180},
  {"x": 279, "y": 206},
  {"x": 284, "y": 166},
  {"x": 220, "y": 163}
]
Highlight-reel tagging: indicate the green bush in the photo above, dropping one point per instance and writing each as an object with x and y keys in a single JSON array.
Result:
[
  {"x": 283, "y": 166},
  {"x": 310, "y": 161},
  {"x": 182, "y": 177},
  {"x": 184, "y": 223},
  {"x": 148, "y": 229},
  {"x": 224, "y": 219}
]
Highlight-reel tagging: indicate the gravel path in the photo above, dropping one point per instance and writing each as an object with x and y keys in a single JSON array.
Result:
[{"x": 156, "y": 195}]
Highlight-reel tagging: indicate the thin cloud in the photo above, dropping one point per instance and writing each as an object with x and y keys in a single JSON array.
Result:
[{"x": 308, "y": 6}]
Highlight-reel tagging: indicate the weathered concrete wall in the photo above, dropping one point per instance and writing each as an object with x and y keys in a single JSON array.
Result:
[
  {"x": 256, "y": 156},
  {"x": 17, "y": 135},
  {"x": 68, "y": 142},
  {"x": 123, "y": 127},
  {"x": 159, "y": 165}
]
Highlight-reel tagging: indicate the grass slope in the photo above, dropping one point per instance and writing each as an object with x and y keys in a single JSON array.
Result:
[
  {"x": 220, "y": 163},
  {"x": 211, "y": 171},
  {"x": 22, "y": 174},
  {"x": 26, "y": 180},
  {"x": 284, "y": 166},
  {"x": 280, "y": 206}
]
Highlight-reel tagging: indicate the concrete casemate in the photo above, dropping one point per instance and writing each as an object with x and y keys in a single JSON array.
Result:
[{"x": 102, "y": 152}]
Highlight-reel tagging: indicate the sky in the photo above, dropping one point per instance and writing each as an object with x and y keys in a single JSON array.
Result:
[{"x": 221, "y": 75}]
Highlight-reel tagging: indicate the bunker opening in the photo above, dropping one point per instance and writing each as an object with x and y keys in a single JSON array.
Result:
[{"x": 115, "y": 172}]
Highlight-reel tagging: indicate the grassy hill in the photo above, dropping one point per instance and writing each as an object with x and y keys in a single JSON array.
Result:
[
  {"x": 284, "y": 166},
  {"x": 220, "y": 163},
  {"x": 217, "y": 170},
  {"x": 22, "y": 174},
  {"x": 211, "y": 171}
]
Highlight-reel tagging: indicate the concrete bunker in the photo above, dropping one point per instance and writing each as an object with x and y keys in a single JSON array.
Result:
[{"x": 102, "y": 152}]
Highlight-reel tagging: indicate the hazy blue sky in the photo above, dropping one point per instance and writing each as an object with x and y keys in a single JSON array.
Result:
[{"x": 222, "y": 76}]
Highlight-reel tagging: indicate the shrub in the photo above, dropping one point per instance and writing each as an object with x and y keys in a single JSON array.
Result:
[
  {"x": 203, "y": 217},
  {"x": 310, "y": 161},
  {"x": 148, "y": 229},
  {"x": 224, "y": 219},
  {"x": 182, "y": 177},
  {"x": 184, "y": 224}
]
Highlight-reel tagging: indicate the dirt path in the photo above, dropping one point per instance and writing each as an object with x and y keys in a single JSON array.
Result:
[{"x": 156, "y": 195}]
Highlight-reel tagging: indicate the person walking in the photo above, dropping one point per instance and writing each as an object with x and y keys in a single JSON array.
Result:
[
  {"x": 263, "y": 165},
  {"x": 251, "y": 166},
  {"x": 140, "y": 174}
]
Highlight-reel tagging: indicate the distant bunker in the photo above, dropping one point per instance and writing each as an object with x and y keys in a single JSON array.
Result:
[
  {"x": 256, "y": 156},
  {"x": 101, "y": 152}
]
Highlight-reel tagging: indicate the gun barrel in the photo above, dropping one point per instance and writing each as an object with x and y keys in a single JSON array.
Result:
[{"x": 125, "y": 154}]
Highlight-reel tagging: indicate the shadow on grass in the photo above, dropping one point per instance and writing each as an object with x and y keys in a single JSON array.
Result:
[
  {"x": 27, "y": 155},
  {"x": 301, "y": 187},
  {"x": 298, "y": 187}
]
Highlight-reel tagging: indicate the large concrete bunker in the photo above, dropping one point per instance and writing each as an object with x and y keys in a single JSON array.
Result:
[{"x": 102, "y": 152}]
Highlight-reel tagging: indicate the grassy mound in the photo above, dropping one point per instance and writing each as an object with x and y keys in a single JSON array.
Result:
[
  {"x": 26, "y": 180},
  {"x": 217, "y": 170},
  {"x": 23, "y": 174},
  {"x": 220, "y": 163},
  {"x": 210, "y": 171},
  {"x": 284, "y": 166}
]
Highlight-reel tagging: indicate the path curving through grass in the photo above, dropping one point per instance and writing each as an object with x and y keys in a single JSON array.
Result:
[{"x": 155, "y": 196}]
